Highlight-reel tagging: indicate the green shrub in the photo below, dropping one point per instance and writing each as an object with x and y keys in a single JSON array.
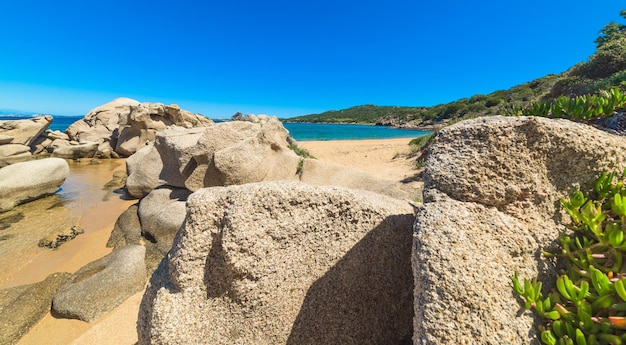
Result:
[
  {"x": 571, "y": 85},
  {"x": 589, "y": 303},
  {"x": 616, "y": 80},
  {"x": 610, "y": 58},
  {"x": 300, "y": 151},
  {"x": 420, "y": 142}
]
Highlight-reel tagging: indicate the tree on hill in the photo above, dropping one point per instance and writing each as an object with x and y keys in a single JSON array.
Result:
[{"x": 611, "y": 31}]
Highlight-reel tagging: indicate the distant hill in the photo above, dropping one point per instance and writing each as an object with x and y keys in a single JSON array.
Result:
[
  {"x": 605, "y": 69},
  {"x": 369, "y": 113},
  {"x": 9, "y": 112}
]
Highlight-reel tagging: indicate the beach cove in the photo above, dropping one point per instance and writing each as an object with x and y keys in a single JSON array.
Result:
[{"x": 89, "y": 204}]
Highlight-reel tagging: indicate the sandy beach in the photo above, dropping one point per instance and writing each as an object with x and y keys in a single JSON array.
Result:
[{"x": 96, "y": 209}]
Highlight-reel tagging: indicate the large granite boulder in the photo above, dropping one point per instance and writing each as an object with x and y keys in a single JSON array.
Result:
[
  {"x": 21, "y": 307},
  {"x": 284, "y": 263},
  {"x": 14, "y": 153},
  {"x": 26, "y": 181},
  {"x": 161, "y": 214},
  {"x": 231, "y": 153},
  {"x": 75, "y": 151},
  {"x": 25, "y": 131},
  {"x": 102, "y": 285},
  {"x": 103, "y": 119},
  {"x": 128, "y": 125},
  {"x": 491, "y": 205},
  {"x": 237, "y": 152}
]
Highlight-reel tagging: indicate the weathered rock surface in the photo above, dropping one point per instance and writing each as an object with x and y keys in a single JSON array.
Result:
[
  {"x": 103, "y": 119},
  {"x": 129, "y": 125},
  {"x": 284, "y": 263},
  {"x": 5, "y": 139},
  {"x": 161, "y": 214},
  {"x": 82, "y": 150},
  {"x": 236, "y": 152},
  {"x": 25, "y": 181},
  {"x": 102, "y": 285},
  {"x": 491, "y": 205},
  {"x": 230, "y": 153},
  {"x": 25, "y": 131},
  {"x": 14, "y": 153},
  {"x": 53, "y": 135},
  {"x": 53, "y": 241},
  {"x": 21, "y": 307},
  {"x": 143, "y": 169},
  {"x": 127, "y": 229},
  {"x": 13, "y": 149}
]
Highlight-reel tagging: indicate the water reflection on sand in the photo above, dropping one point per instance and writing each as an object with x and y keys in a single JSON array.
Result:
[{"x": 81, "y": 200}]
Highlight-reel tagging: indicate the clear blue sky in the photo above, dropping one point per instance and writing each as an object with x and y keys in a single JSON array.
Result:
[{"x": 284, "y": 58}]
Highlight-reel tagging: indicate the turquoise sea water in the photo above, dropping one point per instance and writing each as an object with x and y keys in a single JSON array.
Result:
[{"x": 299, "y": 131}]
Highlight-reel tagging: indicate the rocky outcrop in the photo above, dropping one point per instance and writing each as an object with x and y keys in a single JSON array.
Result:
[
  {"x": 284, "y": 263},
  {"x": 25, "y": 131},
  {"x": 14, "y": 153},
  {"x": 491, "y": 205},
  {"x": 102, "y": 285},
  {"x": 236, "y": 152},
  {"x": 25, "y": 181},
  {"x": 76, "y": 151},
  {"x": 126, "y": 125},
  {"x": 18, "y": 137},
  {"x": 21, "y": 307}
]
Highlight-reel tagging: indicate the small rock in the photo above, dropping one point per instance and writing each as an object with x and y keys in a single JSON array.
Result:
[
  {"x": 55, "y": 240},
  {"x": 102, "y": 285},
  {"x": 21, "y": 307}
]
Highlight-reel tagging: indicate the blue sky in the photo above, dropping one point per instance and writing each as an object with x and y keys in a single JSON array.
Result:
[{"x": 283, "y": 58}]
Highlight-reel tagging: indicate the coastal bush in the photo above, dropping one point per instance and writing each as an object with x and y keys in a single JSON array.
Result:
[
  {"x": 420, "y": 142},
  {"x": 607, "y": 60},
  {"x": 616, "y": 80},
  {"x": 300, "y": 151},
  {"x": 587, "y": 107},
  {"x": 571, "y": 85},
  {"x": 588, "y": 305}
]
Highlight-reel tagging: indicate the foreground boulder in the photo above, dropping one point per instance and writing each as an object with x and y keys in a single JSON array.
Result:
[
  {"x": 26, "y": 181},
  {"x": 491, "y": 205},
  {"x": 284, "y": 263},
  {"x": 21, "y": 307},
  {"x": 102, "y": 285}
]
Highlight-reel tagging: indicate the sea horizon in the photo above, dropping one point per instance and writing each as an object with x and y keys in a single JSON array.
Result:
[{"x": 299, "y": 131}]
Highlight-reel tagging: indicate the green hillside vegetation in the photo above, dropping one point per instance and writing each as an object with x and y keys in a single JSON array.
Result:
[
  {"x": 368, "y": 113},
  {"x": 604, "y": 70}
]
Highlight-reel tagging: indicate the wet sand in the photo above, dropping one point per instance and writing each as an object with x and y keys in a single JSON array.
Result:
[{"x": 83, "y": 201}]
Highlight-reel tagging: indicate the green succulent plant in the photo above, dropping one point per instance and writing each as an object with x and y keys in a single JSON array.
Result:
[
  {"x": 586, "y": 107},
  {"x": 588, "y": 305}
]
